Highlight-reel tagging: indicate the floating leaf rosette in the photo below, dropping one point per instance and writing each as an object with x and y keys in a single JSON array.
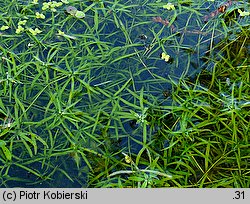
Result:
[
  {"x": 74, "y": 12},
  {"x": 71, "y": 10},
  {"x": 165, "y": 57},
  {"x": 169, "y": 6},
  {"x": 79, "y": 14}
]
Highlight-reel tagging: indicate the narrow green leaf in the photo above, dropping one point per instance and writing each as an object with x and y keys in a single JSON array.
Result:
[
  {"x": 7, "y": 152},
  {"x": 96, "y": 20}
]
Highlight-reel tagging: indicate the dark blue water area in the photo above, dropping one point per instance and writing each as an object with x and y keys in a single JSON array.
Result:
[
  {"x": 19, "y": 177},
  {"x": 185, "y": 60}
]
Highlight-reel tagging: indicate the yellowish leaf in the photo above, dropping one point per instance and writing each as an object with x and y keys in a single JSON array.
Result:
[
  {"x": 4, "y": 27},
  {"x": 169, "y": 6},
  {"x": 165, "y": 56},
  {"x": 243, "y": 13}
]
